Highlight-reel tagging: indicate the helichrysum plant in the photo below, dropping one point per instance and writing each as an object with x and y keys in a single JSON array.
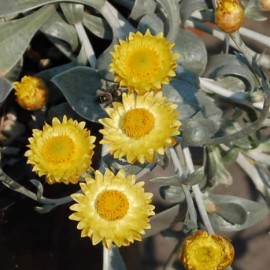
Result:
[{"x": 131, "y": 90}]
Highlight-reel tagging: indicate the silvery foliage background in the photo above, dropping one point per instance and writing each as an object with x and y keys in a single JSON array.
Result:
[{"x": 74, "y": 86}]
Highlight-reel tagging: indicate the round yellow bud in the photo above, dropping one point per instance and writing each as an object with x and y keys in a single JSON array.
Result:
[
  {"x": 264, "y": 4},
  {"x": 31, "y": 93},
  {"x": 229, "y": 15},
  {"x": 203, "y": 251}
]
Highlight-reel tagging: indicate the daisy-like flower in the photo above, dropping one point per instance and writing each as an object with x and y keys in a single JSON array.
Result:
[
  {"x": 140, "y": 127},
  {"x": 31, "y": 93},
  {"x": 203, "y": 251},
  {"x": 143, "y": 62},
  {"x": 113, "y": 209},
  {"x": 62, "y": 152}
]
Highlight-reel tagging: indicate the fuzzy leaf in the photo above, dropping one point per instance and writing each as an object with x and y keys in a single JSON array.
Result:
[
  {"x": 194, "y": 178},
  {"x": 15, "y": 36},
  {"x": 230, "y": 72},
  {"x": 231, "y": 212},
  {"x": 73, "y": 12},
  {"x": 166, "y": 180},
  {"x": 58, "y": 30},
  {"x": 169, "y": 10},
  {"x": 172, "y": 194},
  {"x": 255, "y": 212},
  {"x": 79, "y": 86},
  {"x": 198, "y": 131},
  {"x": 5, "y": 88},
  {"x": 141, "y": 8},
  {"x": 152, "y": 22},
  {"x": 187, "y": 7},
  {"x": 14, "y": 6},
  {"x": 182, "y": 94},
  {"x": 192, "y": 50},
  {"x": 165, "y": 220},
  {"x": 116, "y": 261},
  {"x": 97, "y": 25}
]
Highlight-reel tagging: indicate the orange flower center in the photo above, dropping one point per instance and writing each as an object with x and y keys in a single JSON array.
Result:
[
  {"x": 138, "y": 122},
  {"x": 112, "y": 205},
  {"x": 58, "y": 149}
]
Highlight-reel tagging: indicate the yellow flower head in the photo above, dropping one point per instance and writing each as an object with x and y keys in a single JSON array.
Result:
[
  {"x": 140, "y": 127},
  {"x": 113, "y": 209},
  {"x": 203, "y": 251},
  {"x": 62, "y": 152},
  {"x": 229, "y": 15},
  {"x": 143, "y": 62},
  {"x": 31, "y": 93}
]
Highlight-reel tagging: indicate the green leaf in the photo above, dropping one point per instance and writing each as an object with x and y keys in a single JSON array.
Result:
[
  {"x": 230, "y": 72},
  {"x": 166, "y": 180},
  {"x": 98, "y": 26},
  {"x": 216, "y": 172},
  {"x": 73, "y": 12},
  {"x": 116, "y": 261},
  {"x": 169, "y": 10},
  {"x": 198, "y": 131},
  {"x": 255, "y": 212},
  {"x": 187, "y": 7},
  {"x": 165, "y": 220},
  {"x": 14, "y": 6},
  {"x": 60, "y": 32},
  {"x": 231, "y": 212},
  {"x": 15, "y": 36},
  {"x": 16, "y": 70},
  {"x": 192, "y": 50},
  {"x": 182, "y": 94},
  {"x": 195, "y": 178},
  {"x": 141, "y": 8},
  {"x": 79, "y": 86},
  {"x": 5, "y": 88},
  {"x": 152, "y": 22},
  {"x": 172, "y": 194}
]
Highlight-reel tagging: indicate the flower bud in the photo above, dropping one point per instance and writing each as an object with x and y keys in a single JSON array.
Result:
[
  {"x": 264, "y": 4},
  {"x": 31, "y": 93},
  {"x": 206, "y": 251},
  {"x": 229, "y": 15}
]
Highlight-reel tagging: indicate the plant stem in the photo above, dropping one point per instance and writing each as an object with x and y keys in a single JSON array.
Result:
[
  {"x": 86, "y": 44},
  {"x": 106, "y": 258},
  {"x": 197, "y": 193},
  {"x": 182, "y": 176}
]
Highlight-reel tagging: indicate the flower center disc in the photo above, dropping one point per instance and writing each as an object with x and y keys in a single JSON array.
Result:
[
  {"x": 58, "y": 149},
  {"x": 143, "y": 62},
  {"x": 138, "y": 123},
  {"x": 112, "y": 205},
  {"x": 204, "y": 254}
]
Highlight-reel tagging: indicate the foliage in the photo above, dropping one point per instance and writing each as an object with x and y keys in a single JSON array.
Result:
[{"x": 222, "y": 99}]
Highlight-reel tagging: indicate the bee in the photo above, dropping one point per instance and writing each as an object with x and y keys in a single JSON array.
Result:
[{"x": 109, "y": 95}]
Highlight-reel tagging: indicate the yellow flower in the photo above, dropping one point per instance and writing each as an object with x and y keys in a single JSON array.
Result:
[
  {"x": 113, "y": 209},
  {"x": 31, "y": 93},
  {"x": 62, "y": 152},
  {"x": 203, "y": 251},
  {"x": 143, "y": 62},
  {"x": 229, "y": 15},
  {"x": 140, "y": 127}
]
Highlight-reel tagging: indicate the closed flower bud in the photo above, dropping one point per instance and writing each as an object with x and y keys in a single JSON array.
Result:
[
  {"x": 31, "y": 93},
  {"x": 203, "y": 251},
  {"x": 229, "y": 15},
  {"x": 264, "y": 4}
]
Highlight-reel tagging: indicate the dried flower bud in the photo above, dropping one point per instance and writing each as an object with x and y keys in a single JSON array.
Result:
[
  {"x": 31, "y": 93},
  {"x": 264, "y": 4},
  {"x": 203, "y": 251},
  {"x": 229, "y": 15}
]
